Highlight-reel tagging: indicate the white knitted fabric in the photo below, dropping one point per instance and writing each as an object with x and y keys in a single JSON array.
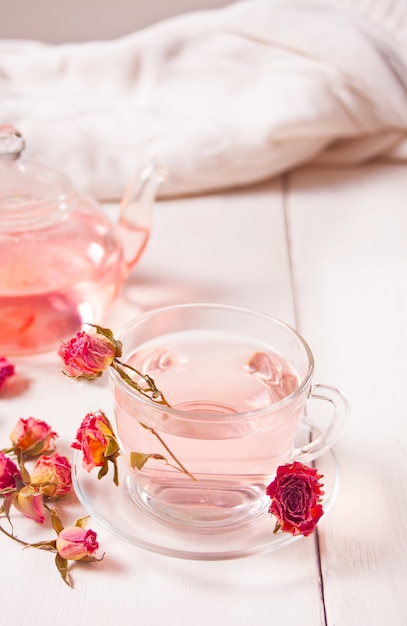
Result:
[{"x": 222, "y": 98}]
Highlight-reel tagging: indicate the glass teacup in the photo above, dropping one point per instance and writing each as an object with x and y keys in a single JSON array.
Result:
[{"x": 235, "y": 384}]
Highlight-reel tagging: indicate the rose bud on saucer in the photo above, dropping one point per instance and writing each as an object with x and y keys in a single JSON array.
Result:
[{"x": 296, "y": 498}]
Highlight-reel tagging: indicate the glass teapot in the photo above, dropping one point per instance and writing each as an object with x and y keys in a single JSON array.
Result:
[{"x": 62, "y": 261}]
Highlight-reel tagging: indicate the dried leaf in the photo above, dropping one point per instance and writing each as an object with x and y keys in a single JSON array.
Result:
[
  {"x": 23, "y": 471},
  {"x": 138, "y": 459},
  {"x": 7, "y": 504},
  {"x": 91, "y": 559},
  {"x": 107, "y": 421},
  {"x": 82, "y": 522},
  {"x": 116, "y": 472},
  {"x": 56, "y": 521},
  {"x": 43, "y": 545},
  {"x": 112, "y": 447},
  {"x": 103, "y": 470},
  {"x": 62, "y": 566}
]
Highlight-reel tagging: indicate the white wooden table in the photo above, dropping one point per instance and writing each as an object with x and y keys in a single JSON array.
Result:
[{"x": 325, "y": 250}]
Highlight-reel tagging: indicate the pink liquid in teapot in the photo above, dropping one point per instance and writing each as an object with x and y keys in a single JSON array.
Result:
[
  {"x": 61, "y": 260},
  {"x": 53, "y": 280}
]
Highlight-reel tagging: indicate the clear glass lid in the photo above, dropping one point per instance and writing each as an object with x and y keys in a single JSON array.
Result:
[{"x": 31, "y": 195}]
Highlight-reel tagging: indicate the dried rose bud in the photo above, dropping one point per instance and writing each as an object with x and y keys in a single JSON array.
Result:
[
  {"x": 74, "y": 543},
  {"x": 52, "y": 475},
  {"x": 8, "y": 473},
  {"x": 88, "y": 356},
  {"x": 6, "y": 370},
  {"x": 29, "y": 502},
  {"x": 32, "y": 436},
  {"x": 96, "y": 440},
  {"x": 295, "y": 498}
]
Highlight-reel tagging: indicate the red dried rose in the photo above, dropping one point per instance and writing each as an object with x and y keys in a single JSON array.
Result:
[
  {"x": 8, "y": 473},
  {"x": 6, "y": 370},
  {"x": 296, "y": 498}
]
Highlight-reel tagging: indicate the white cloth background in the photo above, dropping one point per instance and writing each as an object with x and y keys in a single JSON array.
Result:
[{"x": 223, "y": 98}]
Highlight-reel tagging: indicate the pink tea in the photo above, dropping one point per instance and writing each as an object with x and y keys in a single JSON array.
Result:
[
  {"x": 46, "y": 293},
  {"x": 218, "y": 382}
]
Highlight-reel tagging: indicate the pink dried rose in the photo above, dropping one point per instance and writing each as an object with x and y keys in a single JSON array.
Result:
[
  {"x": 28, "y": 501},
  {"x": 32, "y": 436},
  {"x": 75, "y": 543},
  {"x": 89, "y": 355},
  {"x": 96, "y": 440},
  {"x": 52, "y": 475},
  {"x": 8, "y": 473},
  {"x": 296, "y": 498},
  {"x": 92, "y": 438},
  {"x": 6, "y": 370}
]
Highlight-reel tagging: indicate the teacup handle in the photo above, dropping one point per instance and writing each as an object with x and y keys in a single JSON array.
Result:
[{"x": 328, "y": 437}]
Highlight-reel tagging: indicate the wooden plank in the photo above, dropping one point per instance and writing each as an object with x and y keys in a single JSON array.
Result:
[{"x": 348, "y": 231}]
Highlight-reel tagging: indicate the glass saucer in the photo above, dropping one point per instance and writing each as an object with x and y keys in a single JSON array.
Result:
[{"x": 114, "y": 508}]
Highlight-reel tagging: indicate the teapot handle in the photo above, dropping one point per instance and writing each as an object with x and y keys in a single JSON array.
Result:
[{"x": 136, "y": 211}]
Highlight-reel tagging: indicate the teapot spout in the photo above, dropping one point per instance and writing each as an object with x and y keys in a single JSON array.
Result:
[{"x": 136, "y": 211}]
